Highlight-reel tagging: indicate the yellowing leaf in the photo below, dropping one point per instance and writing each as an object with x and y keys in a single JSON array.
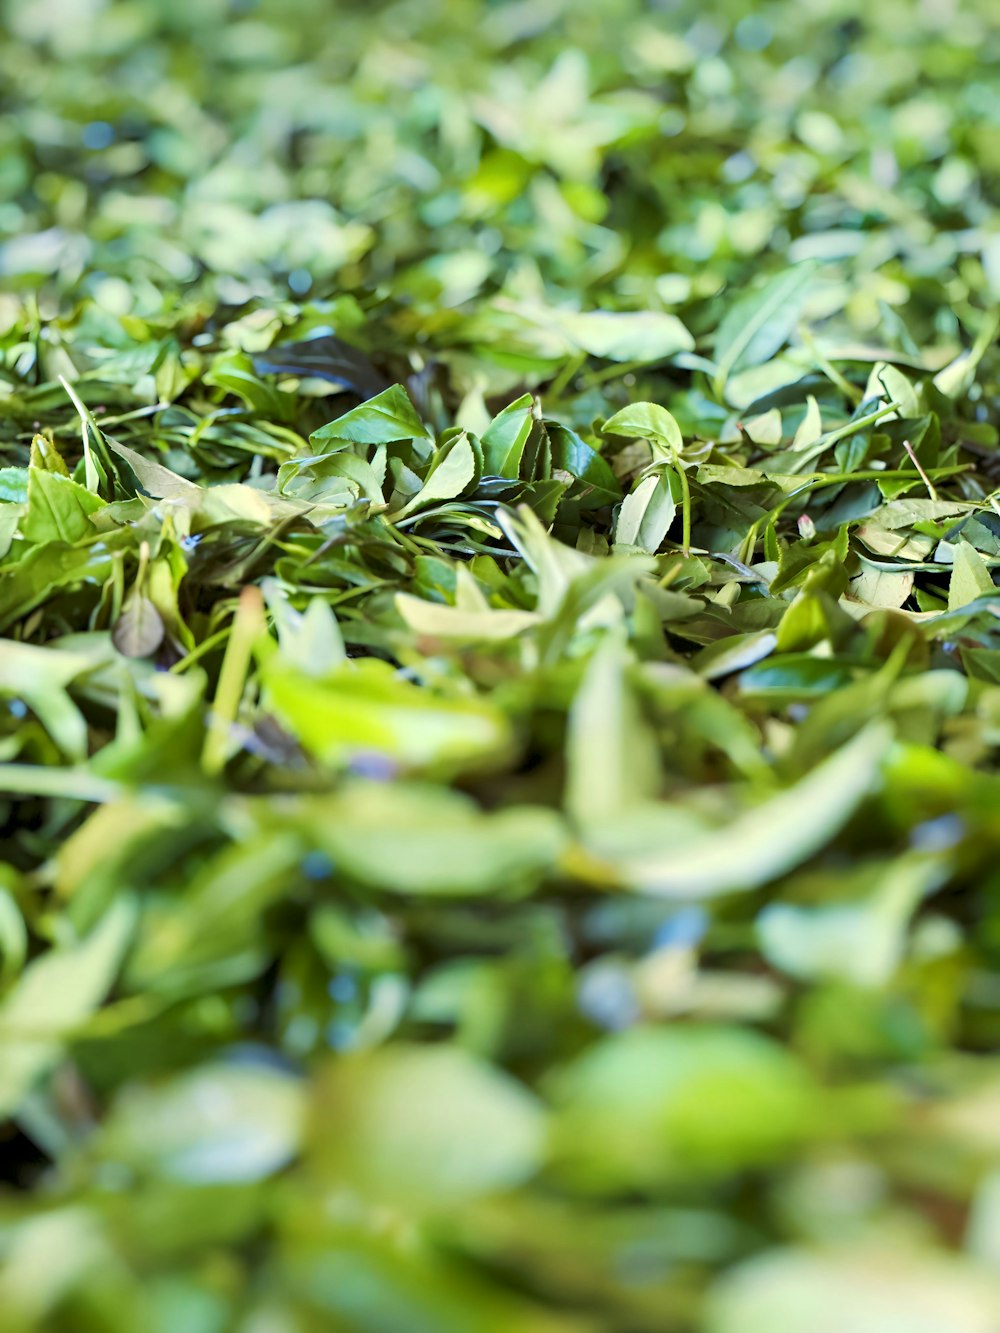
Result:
[
  {"x": 364, "y": 708},
  {"x": 451, "y": 622}
]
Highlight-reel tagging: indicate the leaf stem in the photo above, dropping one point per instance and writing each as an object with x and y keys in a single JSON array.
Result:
[
  {"x": 844, "y": 432},
  {"x": 844, "y": 478},
  {"x": 87, "y": 424},
  {"x": 565, "y": 376},
  {"x": 849, "y": 390},
  {"x": 75, "y": 784},
  {"x": 685, "y": 509},
  {"x": 916, "y": 463}
]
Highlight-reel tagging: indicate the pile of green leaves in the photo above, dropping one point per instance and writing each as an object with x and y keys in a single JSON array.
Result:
[{"x": 500, "y": 667}]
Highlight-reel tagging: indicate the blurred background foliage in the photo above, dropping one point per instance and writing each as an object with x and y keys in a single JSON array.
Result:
[
  {"x": 503, "y": 1126},
  {"x": 615, "y": 153}
]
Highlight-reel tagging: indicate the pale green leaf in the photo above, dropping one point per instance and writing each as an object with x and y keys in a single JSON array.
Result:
[
  {"x": 759, "y": 323},
  {"x": 810, "y": 428},
  {"x": 861, "y": 942},
  {"x": 874, "y": 1288},
  {"x": 770, "y": 839},
  {"x": 643, "y": 336},
  {"x": 612, "y": 761},
  {"x": 646, "y": 514},
  {"x": 440, "y": 843},
  {"x": 53, "y": 996},
  {"x": 970, "y": 577},
  {"x": 646, "y": 421},
  {"x": 451, "y": 622},
  {"x": 214, "y": 1124},
  {"x": 424, "y": 1128}
]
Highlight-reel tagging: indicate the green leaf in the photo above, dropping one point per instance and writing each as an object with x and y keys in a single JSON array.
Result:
[
  {"x": 387, "y": 417},
  {"x": 734, "y": 653},
  {"x": 58, "y": 509},
  {"x": 643, "y": 336},
  {"x": 235, "y": 374},
  {"x": 14, "y": 485},
  {"x": 647, "y": 421},
  {"x": 887, "y": 382},
  {"x": 365, "y": 708},
  {"x": 441, "y": 844},
  {"x": 334, "y": 478},
  {"x": 504, "y": 438},
  {"x": 47, "y": 570},
  {"x": 652, "y": 1105},
  {"x": 957, "y": 378},
  {"x": 156, "y": 479},
  {"x": 45, "y": 457},
  {"x": 311, "y": 640},
  {"x": 758, "y": 324},
  {"x": 40, "y": 677},
  {"x": 215, "y": 929},
  {"x": 13, "y": 937},
  {"x": 810, "y": 429},
  {"x": 453, "y": 471},
  {"x": 611, "y": 760},
  {"x": 598, "y": 485},
  {"x": 448, "y": 738},
  {"x": 970, "y": 577}
]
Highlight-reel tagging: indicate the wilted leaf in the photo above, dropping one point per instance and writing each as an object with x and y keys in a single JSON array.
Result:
[
  {"x": 324, "y": 358},
  {"x": 138, "y": 631}
]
